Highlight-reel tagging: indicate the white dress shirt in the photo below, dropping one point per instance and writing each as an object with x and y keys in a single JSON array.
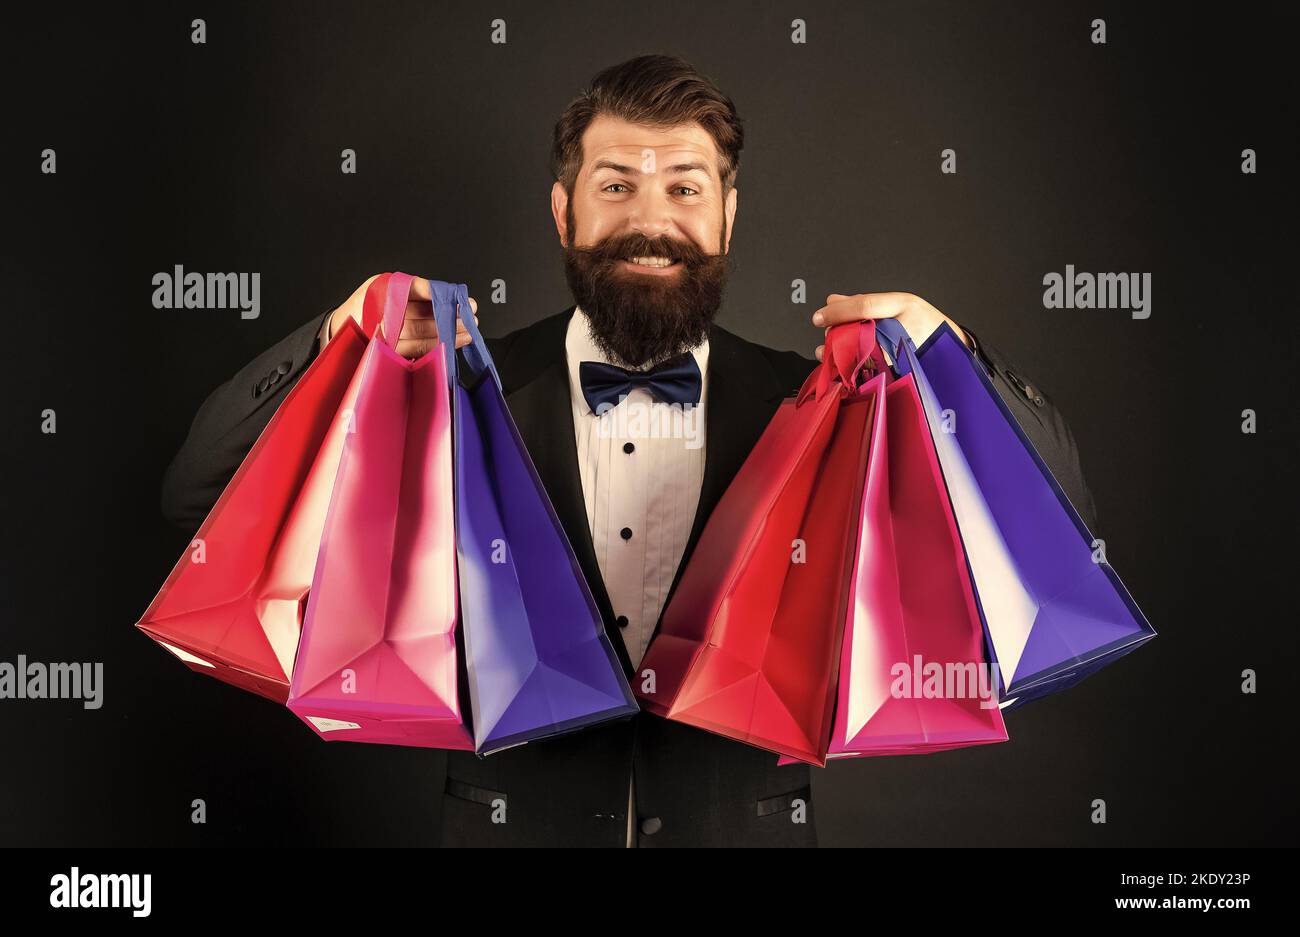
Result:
[{"x": 640, "y": 503}]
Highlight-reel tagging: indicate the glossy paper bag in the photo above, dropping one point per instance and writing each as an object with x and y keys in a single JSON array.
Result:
[
  {"x": 378, "y": 657},
  {"x": 538, "y": 660},
  {"x": 913, "y": 675},
  {"x": 233, "y": 604},
  {"x": 1054, "y": 609},
  {"x": 748, "y": 646}
]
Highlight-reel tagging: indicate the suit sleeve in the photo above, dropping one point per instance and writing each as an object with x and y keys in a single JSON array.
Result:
[
  {"x": 1042, "y": 423},
  {"x": 229, "y": 422}
]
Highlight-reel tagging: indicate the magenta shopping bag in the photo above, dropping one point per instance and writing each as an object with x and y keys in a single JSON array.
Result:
[
  {"x": 913, "y": 677},
  {"x": 377, "y": 659}
]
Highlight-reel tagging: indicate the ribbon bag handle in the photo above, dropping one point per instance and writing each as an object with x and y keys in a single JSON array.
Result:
[
  {"x": 451, "y": 301},
  {"x": 895, "y": 340},
  {"x": 372, "y": 307},
  {"x": 850, "y": 347},
  {"x": 396, "y": 299}
]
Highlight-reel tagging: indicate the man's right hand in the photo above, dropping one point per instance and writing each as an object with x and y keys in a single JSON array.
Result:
[{"x": 419, "y": 334}]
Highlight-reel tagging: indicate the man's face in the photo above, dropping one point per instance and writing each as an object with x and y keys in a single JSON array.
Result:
[{"x": 645, "y": 236}]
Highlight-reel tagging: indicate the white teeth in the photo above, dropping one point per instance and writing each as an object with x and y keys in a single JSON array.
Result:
[{"x": 652, "y": 261}]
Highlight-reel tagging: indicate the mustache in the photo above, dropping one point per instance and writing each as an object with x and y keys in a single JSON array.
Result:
[{"x": 635, "y": 244}]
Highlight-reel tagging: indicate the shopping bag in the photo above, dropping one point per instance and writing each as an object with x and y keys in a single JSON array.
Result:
[
  {"x": 913, "y": 676},
  {"x": 232, "y": 606},
  {"x": 378, "y": 660},
  {"x": 1054, "y": 610},
  {"x": 537, "y": 657},
  {"x": 748, "y": 646}
]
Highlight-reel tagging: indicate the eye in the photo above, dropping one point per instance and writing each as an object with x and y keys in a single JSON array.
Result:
[
  {"x": 685, "y": 189},
  {"x": 615, "y": 185}
]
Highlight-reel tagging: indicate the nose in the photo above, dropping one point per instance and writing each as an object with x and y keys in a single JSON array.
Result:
[{"x": 651, "y": 213}]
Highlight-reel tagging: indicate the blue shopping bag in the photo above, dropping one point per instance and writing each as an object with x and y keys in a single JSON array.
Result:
[
  {"x": 538, "y": 660},
  {"x": 1054, "y": 610}
]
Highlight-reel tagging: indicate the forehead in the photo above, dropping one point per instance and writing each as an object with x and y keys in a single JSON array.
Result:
[{"x": 615, "y": 138}]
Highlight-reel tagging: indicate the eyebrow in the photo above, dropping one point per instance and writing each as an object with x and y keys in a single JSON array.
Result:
[{"x": 628, "y": 170}]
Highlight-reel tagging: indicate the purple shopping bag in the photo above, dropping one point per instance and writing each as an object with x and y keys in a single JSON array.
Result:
[
  {"x": 537, "y": 658},
  {"x": 1052, "y": 613}
]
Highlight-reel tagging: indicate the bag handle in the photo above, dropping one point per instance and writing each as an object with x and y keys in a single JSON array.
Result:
[
  {"x": 849, "y": 349},
  {"x": 372, "y": 308},
  {"x": 451, "y": 301},
  {"x": 396, "y": 298},
  {"x": 895, "y": 340}
]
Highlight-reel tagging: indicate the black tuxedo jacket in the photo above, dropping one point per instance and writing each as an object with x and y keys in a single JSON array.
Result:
[{"x": 692, "y": 787}]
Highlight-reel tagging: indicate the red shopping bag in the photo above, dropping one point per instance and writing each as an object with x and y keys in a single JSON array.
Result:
[
  {"x": 233, "y": 604},
  {"x": 749, "y": 645},
  {"x": 913, "y": 676},
  {"x": 378, "y": 657}
]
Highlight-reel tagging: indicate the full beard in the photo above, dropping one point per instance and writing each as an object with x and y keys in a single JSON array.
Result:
[{"x": 637, "y": 319}]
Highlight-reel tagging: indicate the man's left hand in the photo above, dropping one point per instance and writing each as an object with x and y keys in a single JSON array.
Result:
[{"x": 913, "y": 313}]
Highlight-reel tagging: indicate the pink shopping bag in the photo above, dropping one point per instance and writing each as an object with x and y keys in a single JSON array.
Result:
[
  {"x": 377, "y": 659},
  {"x": 913, "y": 675}
]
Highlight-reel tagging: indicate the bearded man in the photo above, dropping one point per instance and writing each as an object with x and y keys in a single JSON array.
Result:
[{"x": 644, "y": 203}]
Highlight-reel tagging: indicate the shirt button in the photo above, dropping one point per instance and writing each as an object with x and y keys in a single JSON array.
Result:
[
  {"x": 629, "y": 448},
  {"x": 621, "y": 621},
  {"x": 651, "y": 825},
  {"x": 626, "y": 533},
  {"x": 284, "y": 366}
]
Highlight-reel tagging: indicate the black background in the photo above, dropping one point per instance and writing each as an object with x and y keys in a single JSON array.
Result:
[{"x": 225, "y": 157}]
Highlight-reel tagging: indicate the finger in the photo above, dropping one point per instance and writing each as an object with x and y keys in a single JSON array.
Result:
[
  {"x": 840, "y": 308},
  {"x": 419, "y": 329},
  {"x": 420, "y": 290},
  {"x": 818, "y": 352},
  {"x": 417, "y": 321},
  {"x": 473, "y": 304},
  {"x": 427, "y": 329},
  {"x": 463, "y": 340},
  {"x": 416, "y": 347}
]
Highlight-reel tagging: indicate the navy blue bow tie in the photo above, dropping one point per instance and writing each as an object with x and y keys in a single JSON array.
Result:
[{"x": 677, "y": 380}]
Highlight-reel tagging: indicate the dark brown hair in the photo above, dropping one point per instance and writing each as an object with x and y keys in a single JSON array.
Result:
[{"x": 660, "y": 90}]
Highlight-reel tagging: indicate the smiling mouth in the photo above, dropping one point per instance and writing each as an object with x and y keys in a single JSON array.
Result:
[{"x": 652, "y": 264}]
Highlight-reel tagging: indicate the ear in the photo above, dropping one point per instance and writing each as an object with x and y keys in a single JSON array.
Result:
[
  {"x": 730, "y": 211},
  {"x": 560, "y": 212}
]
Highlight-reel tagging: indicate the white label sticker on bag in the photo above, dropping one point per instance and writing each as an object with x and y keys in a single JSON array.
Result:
[
  {"x": 331, "y": 725},
  {"x": 186, "y": 655}
]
